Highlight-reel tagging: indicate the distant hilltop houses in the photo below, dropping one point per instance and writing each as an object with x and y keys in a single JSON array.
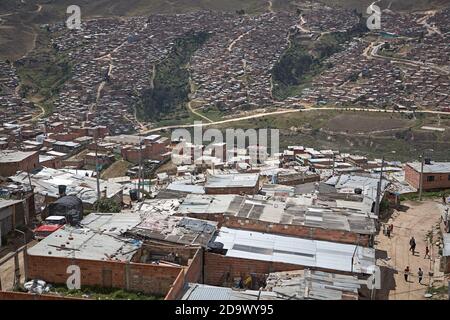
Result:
[
  {"x": 240, "y": 66},
  {"x": 213, "y": 225}
]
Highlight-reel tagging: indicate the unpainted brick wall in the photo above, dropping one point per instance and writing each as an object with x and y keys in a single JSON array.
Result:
[
  {"x": 220, "y": 269},
  {"x": 284, "y": 229},
  {"x": 147, "y": 278},
  {"x": 194, "y": 272},
  {"x": 191, "y": 274},
  {"x": 177, "y": 287}
]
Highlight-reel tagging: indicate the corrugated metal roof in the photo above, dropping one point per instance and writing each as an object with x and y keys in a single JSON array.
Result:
[
  {"x": 195, "y": 291},
  {"x": 158, "y": 222},
  {"x": 446, "y": 250},
  {"x": 98, "y": 239},
  {"x": 183, "y": 187},
  {"x": 434, "y": 167},
  {"x": 8, "y": 203},
  {"x": 205, "y": 204},
  {"x": 280, "y": 212},
  {"x": 7, "y": 156},
  {"x": 232, "y": 180},
  {"x": 315, "y": 285},
  {"x": 305, "y": 252},
  {"x": 46, "y": 183},
  {"x": 205, "y": 292}
]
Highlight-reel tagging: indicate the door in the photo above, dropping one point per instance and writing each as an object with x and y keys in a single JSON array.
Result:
[{"x": 107, "y": 278}]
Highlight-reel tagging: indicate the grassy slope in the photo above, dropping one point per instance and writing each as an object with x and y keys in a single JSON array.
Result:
[
  {"x": 43, "y": 72},
  {"x": 117, "y": 169},
  {"x": 167, "y": 99},
  {"x": 406, "y": 143},
  {"x": 304, "y": 59}
]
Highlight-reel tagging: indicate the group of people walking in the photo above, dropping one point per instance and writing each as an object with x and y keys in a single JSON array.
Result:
[
  {"x": 412, "y": 248},
  {"x": 419, "y": 274}
]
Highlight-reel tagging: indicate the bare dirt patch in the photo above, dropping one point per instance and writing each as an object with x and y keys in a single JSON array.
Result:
[
  {"x": 364, "y": 124},
  {"x": 117, "y": 169}
]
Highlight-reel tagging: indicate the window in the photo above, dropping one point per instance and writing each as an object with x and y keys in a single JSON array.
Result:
[{"x": 430, "y": 178}]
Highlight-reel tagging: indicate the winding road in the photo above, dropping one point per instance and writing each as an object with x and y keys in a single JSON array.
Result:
[{"x": 372, "y": 51}]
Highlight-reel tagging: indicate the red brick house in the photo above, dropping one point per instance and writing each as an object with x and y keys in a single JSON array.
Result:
[
  {"x": 12, "y": 161},
  {"x": 436, "y": 175}
]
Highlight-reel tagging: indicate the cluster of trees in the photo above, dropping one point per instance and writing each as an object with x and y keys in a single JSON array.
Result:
[
  {"x": 171, "y": 83},
  {"x": 293, "y": 65},
  {"x": 299, "y": 63},
  {"x": 43, "y": 72},
  {"x": 105, "y": 205}
]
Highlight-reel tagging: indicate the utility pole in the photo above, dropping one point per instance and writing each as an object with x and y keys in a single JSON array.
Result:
[
  {"x": 20, "y": 140},
  {"x": 421, "y": 176},
  {"x": 377, "y": 201},
  {"x": 140, "y": 169},
  {"x": 99, "y": 195},
  {"x": 372, "y": 291},
  {"x": 334, "y": 160}
]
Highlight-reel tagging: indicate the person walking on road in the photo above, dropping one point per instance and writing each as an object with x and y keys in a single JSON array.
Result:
[
  {"x": 420, "y": 275},
  {"x": 427, "y": 252},
  {"x": 412, "y": 245},
  {"x": 406, "y": 273}
]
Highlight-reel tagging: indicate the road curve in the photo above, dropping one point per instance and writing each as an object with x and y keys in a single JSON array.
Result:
[{"x": 266, "y": 114}]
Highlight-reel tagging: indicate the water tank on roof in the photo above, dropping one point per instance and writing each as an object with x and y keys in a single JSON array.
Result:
[
  {"x": 70, "y": 207},
  {"x": 62, "y": 190},
  {"x": 358, "y": 191},
  {"x": 427, "y": 161},
  {"x": 134, "y": 195},
  {"x": 216, "y": 247}
]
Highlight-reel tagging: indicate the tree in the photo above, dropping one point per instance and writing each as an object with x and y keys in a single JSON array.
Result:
[{"x": 106, "y": 205}]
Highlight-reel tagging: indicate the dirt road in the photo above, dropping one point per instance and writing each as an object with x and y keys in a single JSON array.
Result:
[
  {"x": 266, "y": 114},
  {"x": 416, "y": 220},
  {"x": 7, "y": 273}
]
